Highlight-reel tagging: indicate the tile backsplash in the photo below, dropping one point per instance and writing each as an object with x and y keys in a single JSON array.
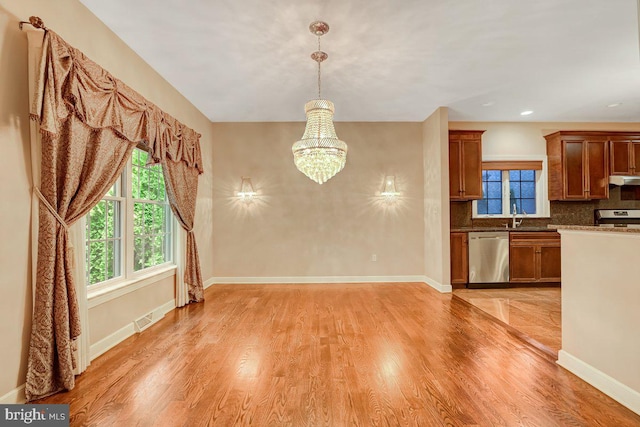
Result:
[{"x": 562, "y": 213}]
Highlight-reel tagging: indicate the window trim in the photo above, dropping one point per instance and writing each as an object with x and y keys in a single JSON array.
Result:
[
  {"x": 99, "y": 296},
  {"x": 543, "y": 207}
]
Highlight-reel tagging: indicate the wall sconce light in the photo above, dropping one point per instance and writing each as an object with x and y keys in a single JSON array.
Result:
[
  {"x": 389, "y": 191},
  {"x": 246, "y": 193}
]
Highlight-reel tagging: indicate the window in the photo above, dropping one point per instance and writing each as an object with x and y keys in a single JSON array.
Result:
[
  {"x": 104, "y": 237},
  {"x": 504, "y": 189},
  {"x": 491, "y": 202},
  {"x": 130, "y": 229},
  {"x": 522, "y": 191},
  {"x": 151, "y": 214}
]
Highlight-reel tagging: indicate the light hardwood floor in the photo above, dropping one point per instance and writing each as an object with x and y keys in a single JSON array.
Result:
[
  {"x": 532, "y": 313},
  {"x": 334, "y": 355}
]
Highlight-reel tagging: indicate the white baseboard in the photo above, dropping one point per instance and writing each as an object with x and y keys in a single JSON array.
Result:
[
  {"x": 108, "y": 342},
  {"x": 603, "y": 382},
  {"x": 314, "y": 279},
  {"x": 14, "y": 396},
  {"x": 164, "y": 309},
  {"x": 209, "y": 282},
  {"x": 122, "y": 334},
  {"x": 437, "y": 285}
]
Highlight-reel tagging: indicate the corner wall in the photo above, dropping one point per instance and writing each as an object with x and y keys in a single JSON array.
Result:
[
  {"x": 600, "y": 315},
  {"x": 435, "y": 143},
  {"x": 78, "y": 26}
]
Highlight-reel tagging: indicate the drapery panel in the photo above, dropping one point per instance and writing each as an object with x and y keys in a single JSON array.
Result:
[
  {"x": 90, "y": 122},
  {"x": 78, "y": 166},
  {"x": 177, "y": 175}
]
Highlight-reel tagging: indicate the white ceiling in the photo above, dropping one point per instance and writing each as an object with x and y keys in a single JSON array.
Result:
[{"x": 248, "y": 60}]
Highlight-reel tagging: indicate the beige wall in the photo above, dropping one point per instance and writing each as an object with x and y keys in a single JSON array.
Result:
[
  {"x": 435, "y": 139},
  {"x": 299, "y": 228},
  {"x": 107, "y": 318},
  {"x": 527, "y": 139},
  {"x": 600, "y": 295},
  {"x": 15, "y": 191},
  {"x": 79, "y": 27}
]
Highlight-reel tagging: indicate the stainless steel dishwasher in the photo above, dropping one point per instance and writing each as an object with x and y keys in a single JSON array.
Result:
[{"x": 488, "y": 259}]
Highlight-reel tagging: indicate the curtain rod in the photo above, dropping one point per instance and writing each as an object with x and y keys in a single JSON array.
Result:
[{"x": 34, "y": 21}]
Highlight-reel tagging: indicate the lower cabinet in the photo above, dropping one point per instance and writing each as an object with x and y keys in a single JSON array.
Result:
[
  {"x": 534, "y": 257},
  {"x": 459, "y": 258}
]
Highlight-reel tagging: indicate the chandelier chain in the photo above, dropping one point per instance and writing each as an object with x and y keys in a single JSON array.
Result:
[{"x": 319, "y": 81}]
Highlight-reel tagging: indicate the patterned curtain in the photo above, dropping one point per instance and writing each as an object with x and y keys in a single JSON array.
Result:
[
  {"x": 181, "y": 182},
  {"x": 182, "y": 187},
  {"x": 90, "y": 122}
]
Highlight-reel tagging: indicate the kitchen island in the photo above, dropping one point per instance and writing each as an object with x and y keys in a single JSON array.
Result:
[{"x": 601, "y": 309}]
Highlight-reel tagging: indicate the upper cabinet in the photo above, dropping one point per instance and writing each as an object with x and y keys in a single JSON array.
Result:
[
  {"x": 578, "y": 165},
  {"x": 624, "y": 151},
  {"x": 465, "y": 164}
]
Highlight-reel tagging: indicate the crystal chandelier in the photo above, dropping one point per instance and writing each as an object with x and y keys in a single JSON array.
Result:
[{"x": 319, "y": 154}]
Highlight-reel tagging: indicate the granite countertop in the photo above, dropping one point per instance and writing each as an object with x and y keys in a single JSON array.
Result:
[
  {"x": 525, "y": 228},
  {"x": 550, "y": 227},
  {"x": 594, "y": 228}
]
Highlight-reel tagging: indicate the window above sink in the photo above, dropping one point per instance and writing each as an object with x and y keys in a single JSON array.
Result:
[{"x": 509, "y": 182}]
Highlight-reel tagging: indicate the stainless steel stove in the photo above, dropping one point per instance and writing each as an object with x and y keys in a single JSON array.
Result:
[{"x": 617, "y": 218}]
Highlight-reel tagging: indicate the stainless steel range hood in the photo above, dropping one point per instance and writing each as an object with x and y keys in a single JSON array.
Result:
[{"x": 624, "y": 180}]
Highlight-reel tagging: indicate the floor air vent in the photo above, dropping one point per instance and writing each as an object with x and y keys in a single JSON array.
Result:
[{"x": 143, "y": 323}]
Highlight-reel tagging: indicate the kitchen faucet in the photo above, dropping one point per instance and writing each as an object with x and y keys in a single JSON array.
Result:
[{"x": 515, "y": 223}]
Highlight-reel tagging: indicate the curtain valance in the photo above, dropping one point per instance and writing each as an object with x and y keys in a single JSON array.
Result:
[{"x": 71, "y": 83}]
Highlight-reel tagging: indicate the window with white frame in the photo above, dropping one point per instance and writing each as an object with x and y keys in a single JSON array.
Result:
[
  {"x": 104, "y": 237},
  {"x": 504, "y": 190},
  {"x": 130, "y": 229},
  {"x": 151, "y": 214}
]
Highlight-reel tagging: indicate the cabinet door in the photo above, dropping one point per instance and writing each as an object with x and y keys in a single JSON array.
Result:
[
  {"x": 455, "y": 169},
  {"x": 549, "y": 262},
  {"x": 597, "y": 169},
  {"x": 459, "y": 258},
  {"x": 635, "y": 158},
  {"x": 472, "y": 169},
  {"x": 522, "y": 263},
  {"x": 574, "y": 170},
  {"x": 620, "y": 153}
]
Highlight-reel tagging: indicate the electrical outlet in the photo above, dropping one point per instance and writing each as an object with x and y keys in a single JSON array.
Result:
[{"x": 374, "y": 257}]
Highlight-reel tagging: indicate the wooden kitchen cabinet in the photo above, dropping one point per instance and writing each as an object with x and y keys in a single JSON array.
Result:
[
  {"x": 578, "y": 165},
  {"x": 459, "y": 258},
  {"x": 624, "y": 153},
  {"x": 534, "y": 257},
  {"x": 465, "y": 164}
]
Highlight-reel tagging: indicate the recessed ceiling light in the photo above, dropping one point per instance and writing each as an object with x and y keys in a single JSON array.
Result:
[
  {"x": 488, "y": 104},
  {"x": 615, "y": 104},
  {"x": 526, "y": 113}
]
